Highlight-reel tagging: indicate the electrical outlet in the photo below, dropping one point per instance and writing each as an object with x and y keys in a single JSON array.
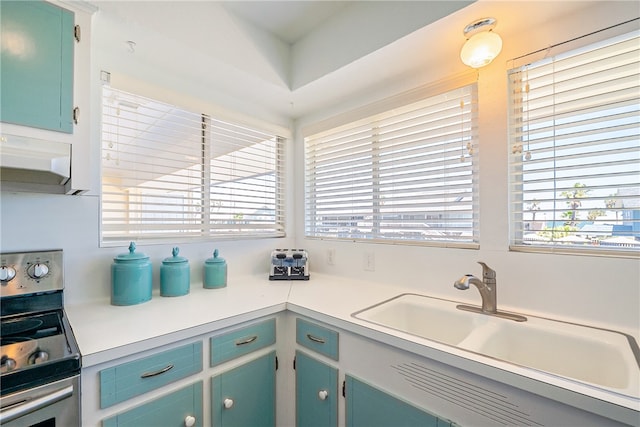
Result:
[
  {"x": 369, "y": 261},
  {"x": 331, "y": 255}
]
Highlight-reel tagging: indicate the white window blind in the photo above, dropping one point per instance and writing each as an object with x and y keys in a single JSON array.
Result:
[
  {"x": 170, "y": 175},
  {"x": 575, "y": 150},
  {"x": 408, "y": 175}
]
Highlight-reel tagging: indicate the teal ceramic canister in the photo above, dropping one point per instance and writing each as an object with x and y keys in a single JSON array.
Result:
[
  {"x": 174, "y": 275},
  {"x": 131, "y": 278},
  {"x": 215, "y": 272}
]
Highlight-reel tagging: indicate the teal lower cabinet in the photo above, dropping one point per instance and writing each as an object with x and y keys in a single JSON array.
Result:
[
  {"x": 366, "y": 406},
  {"x": 180, "y": 408},
  {"x": 245, "y": 396},
  {"x": 316, "y": 393}
]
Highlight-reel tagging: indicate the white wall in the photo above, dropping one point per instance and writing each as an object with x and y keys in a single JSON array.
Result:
[
  {"x": 595, "y": 290},
  {"x": 601, "y": 291},
  {"x": 71, "y": 223}
]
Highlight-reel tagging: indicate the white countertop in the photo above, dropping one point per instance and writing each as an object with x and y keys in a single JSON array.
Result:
[{"x": 105, "y": 332}]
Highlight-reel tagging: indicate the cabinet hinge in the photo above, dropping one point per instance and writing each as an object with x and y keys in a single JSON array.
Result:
[
  {"x": 294, "y": 363},
  {"x": 76, "y": 115},
  {"x": 344, "y": 389},
  {"x": 276, "y": 363},
  {"x": 76, "y": 33}
]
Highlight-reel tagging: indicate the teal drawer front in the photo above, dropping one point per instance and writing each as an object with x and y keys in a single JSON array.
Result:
[
  {"x": 317, "y": 338},
  {"x": 316, "y": 393},
  {"x": 124, "y": 381},
  {"x": 242, "y": 341},
  {"x": 174, "y": 409}
]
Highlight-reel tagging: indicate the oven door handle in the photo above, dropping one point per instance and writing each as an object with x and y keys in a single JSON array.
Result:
[{"x": 33, "y": 405}]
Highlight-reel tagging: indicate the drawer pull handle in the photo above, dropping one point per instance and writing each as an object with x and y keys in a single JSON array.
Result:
[
  {"x": 247, "y": 340},
  {"x": 155, "y": 373},
  {"x": 323, "y": 394},
  {"x": 190, "y": 421},
  {"x": 228, "y": 403},
  {"x": 315, "y": 339}
]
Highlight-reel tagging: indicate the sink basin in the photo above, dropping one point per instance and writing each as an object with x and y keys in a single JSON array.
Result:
[
  {"x": 425, "y": 317},
  {"x": 586, "y": 354}
]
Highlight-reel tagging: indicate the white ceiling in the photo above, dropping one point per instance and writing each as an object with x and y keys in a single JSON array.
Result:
[
  {"x": 288, "y": 20},
  {"x": 294, "y": 58}
]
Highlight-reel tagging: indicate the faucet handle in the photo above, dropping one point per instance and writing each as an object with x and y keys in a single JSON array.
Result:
[{"x": 487, "y": 272}]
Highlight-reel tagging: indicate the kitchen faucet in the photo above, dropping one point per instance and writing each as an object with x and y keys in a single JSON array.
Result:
[{"x": 488, "y": 292}]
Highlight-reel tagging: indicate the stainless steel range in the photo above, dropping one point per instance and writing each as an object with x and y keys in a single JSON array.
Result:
[{"x": 40, "y": 361}]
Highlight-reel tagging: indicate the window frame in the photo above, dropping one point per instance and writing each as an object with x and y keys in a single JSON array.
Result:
[
  {"x": 526, "y": 130},
  {"x": 247, "y": 141},
  {"x": 387, "y": 110}
]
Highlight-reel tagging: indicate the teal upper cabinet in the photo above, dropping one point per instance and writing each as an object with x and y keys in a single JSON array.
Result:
[{"x": 36, "y": 77}]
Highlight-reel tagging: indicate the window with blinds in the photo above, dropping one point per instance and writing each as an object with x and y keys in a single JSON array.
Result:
[
  {"x": 408, "y": 175},
  {"x": 171, "y": 175},
  {"x": 574, "y": 149}
]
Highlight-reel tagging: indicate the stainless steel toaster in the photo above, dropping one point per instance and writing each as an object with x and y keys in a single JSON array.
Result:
[{"x": 289, "y": 264}]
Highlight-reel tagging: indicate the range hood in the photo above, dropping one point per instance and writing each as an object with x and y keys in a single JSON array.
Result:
[{"x": 33, "y": 165}]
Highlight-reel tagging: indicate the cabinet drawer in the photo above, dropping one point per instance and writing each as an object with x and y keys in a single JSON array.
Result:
[
  {"x": 176, "y": 409},
  {"x": 124, "y": 381},
  {"x": 242, "y": 341},
  {"x": 317, "y": 338}
]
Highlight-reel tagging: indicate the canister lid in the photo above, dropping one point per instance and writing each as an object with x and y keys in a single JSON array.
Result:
[
  {"x": 215, "y": 259},
  {"x": 175, "y": 258},
  {"x": 132, "y": 255}
]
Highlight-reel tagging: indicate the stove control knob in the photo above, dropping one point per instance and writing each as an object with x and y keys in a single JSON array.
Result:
[
  {"x": 37, "y": 270},
  {"x": 7, "y": 273},
  {"x": 38, "y": 357},
  {"x": 8, "y": 363}
]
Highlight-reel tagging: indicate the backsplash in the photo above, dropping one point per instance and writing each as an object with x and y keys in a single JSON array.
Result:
[{"x": 70, "y": 223}]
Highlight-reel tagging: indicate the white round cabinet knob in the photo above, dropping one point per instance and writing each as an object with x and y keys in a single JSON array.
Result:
[
  {"x": 323, "y": 394},
  {"x": 189, "y": 421},
  {"x": 228, "y": 403}
]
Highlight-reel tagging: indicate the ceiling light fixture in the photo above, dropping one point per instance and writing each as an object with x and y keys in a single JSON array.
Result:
[{"x": 482, "y": 44}]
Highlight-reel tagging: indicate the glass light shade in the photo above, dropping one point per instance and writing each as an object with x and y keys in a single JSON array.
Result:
[{"x": 481, "y": 49}]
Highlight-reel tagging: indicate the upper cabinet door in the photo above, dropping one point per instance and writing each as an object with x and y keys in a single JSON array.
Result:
[{"x": 36, "y": 77}]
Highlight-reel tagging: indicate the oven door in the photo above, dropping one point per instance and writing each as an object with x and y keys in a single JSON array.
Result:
[{"x": 55, "y": 404}]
